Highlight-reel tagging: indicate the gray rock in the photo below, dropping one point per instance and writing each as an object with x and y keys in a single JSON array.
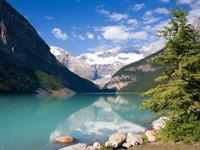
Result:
[
  {"x": 115, "y": 144},
  {"x": 159, "y": 123},
  {"x": 97, "y": 144},
  {"x": 134, "y": 139},
  {"x": 151, "y": 135},
  {"x": 92, "y": 148},
  {"x": 126, "y": 145},
  {"x": 79, "y": 146},
  {"x": 117, "y": 138}
]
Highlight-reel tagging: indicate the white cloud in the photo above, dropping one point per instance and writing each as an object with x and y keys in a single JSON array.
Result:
[
  {"x": 184, "y": 1},
  {"x": 147, "y": 28},
  {"x": 81, "y": 37},
  {"x": 149, "y": 18},
  {"x": 194, "y": 12},
  {"x": 102, "y": 47},
  {"x": 118, "y": 33},
  {"x": 90, "y": 35},
  {"x": 103, "y": 11},
  {"x": 160, "y": 26},
  {"x": 137, "y": 7},
  {"x": 99, "y": 37},
  {"x": 162, "y": 11},
  {"x": 132, "y": 22},
  {"x": 49, "y": 18},
  {"x": 164, "y": 1},
  {"x": 121, "y": 33},
  {"x": 148, "y": 13},
  {"x": 117, "y": 16},
  {"x": 138, "y": 35},
  {"x": 153, "y": 46},
  {"x": 112, "y": 16},
  {"x": 57, "y": 32},
  {"x": 103, "y": 56}
]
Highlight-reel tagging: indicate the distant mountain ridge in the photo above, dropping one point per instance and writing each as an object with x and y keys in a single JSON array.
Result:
[
  {"x": 26, "y": 63},
  {"x": 136, "y": 77},
  {"x": 72, "y": 63},
  {"x": 97, "y": 66}
]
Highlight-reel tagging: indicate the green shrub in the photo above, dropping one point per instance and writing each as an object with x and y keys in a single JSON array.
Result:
[
  {"x": 144, "y": 138},
  {"x": 103, "y": 147},
  {"x": 187, "y": 131},
  {"x": 48, "y": 82}
]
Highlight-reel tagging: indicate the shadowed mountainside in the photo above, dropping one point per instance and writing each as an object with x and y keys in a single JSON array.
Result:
[{"x": 26, "y": 62}]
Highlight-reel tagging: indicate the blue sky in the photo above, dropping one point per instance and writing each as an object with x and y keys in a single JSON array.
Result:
[{"x": 82, "y": 26}]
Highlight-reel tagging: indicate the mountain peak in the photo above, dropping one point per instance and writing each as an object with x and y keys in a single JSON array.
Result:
[{"x": 57, "y": 51}]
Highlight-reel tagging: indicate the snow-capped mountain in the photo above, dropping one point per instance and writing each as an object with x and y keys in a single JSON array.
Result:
[
  {"x": 107, "y": 62},
  {"x": 113, "y": 56},
  {"x": 72, "y": 63},
  {"x": 98, "y": 66}
]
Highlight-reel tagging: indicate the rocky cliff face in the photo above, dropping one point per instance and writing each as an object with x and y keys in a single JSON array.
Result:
[
  {"x": 73, "y": 64},
  {"x": 98, "y": 66},
  {"x": 133, "y": 77},
  {"x": 3, "y": 33},
  {"x": 107, "y": 62},
  {"x": 22, "y": 52}
]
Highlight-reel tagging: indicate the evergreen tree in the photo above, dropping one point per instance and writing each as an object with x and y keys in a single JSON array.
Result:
[{"x": 178, "y": 95}]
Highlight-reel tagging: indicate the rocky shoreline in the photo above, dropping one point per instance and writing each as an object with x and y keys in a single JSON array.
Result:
[{"x": 118, "y": 140}]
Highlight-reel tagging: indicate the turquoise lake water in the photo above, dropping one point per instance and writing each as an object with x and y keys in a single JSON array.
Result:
[{"x": 29, "y": 122}]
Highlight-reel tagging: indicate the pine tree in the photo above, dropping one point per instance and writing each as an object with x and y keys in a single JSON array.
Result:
[{"x": 178, "y": 95}]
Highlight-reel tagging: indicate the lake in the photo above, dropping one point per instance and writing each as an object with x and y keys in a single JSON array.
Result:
[{"x": 29, "y": 122}]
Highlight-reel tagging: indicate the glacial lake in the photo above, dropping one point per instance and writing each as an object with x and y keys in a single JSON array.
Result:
[{"x": 29, "y": 122}]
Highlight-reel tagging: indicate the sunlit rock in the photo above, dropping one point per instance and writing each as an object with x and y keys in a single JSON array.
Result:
[
  {"x": 92, "y": 148},
  {"x": 64, "y": 139},
  {"x": 134, "y": 139},
  {"x": 117, "y": 138},
  {"x": 79, "y": 146},
  {"x": 97, "y": 144},
  {"x": 160, "y": 123},
  {"x": 126, "y": 145},
  {"x": 151, "y": 135}
]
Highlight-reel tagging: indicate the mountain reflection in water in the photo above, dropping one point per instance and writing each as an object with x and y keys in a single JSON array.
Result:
[{"x": 31, "y": 122}]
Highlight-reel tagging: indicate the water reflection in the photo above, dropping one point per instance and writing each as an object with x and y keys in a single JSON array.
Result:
[
  {"x": 31, "y": 122},
  {"x": 106, "y": 115}
]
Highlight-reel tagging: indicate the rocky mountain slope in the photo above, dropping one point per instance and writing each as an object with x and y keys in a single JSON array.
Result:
[
  {"x": 136, "y": 77},
  {"x": 26, "y": 63},
  {"x": 97, "y": 66},
  {"x": 107, "y": 62},
  {"x": 72, "y": 63}
]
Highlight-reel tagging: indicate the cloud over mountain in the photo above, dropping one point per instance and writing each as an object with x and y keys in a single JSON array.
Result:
[{"x": 59, "y": 34}]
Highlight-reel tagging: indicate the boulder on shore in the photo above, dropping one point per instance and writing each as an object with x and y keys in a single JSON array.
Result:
[
  {"x": 97, "y": 144},
  {"x": 151, "y": 135},
  {"x": 91, "y": 148},
  {"x": 159, "y": 123},
  {"x": 64, "y": 139},
  {"x": 79, "y": 146},
  {"x": 126, "y": 145},
  {"x": 117, "y": 138},
  {"x": 134, "y": 139}
]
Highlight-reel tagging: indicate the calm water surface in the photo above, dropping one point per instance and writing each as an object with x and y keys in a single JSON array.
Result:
[{"x": 29, "y": 122}]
